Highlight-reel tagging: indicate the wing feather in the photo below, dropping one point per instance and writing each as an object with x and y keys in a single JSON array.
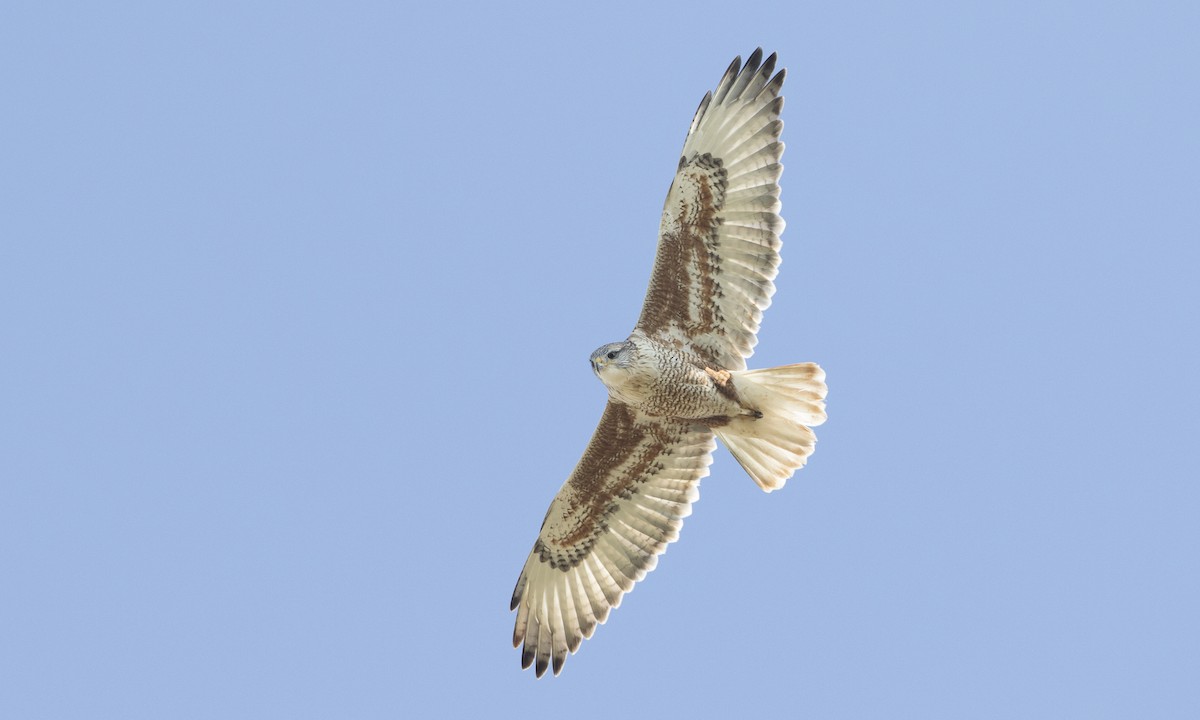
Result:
[
  {"x": 608, "y": 586},
  {"x": 721, "y": 225},
  {"x": 585, "y": 606},
  {"x": 605, "y": 529}
]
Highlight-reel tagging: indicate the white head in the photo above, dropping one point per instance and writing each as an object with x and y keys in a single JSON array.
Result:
[
  {"x": 622, "y": 370},
  {"x": 622, "y": 367},
  {"x": 612, "y": 356}
]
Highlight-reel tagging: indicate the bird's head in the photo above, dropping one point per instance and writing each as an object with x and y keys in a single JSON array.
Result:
[{"x": 613, "y": 356}]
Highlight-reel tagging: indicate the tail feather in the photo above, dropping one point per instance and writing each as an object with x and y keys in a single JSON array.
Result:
[{"x": 791, "y": 398}]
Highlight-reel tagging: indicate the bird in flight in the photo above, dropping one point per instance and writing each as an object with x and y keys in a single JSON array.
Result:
[{"x": 680, "y": 379}]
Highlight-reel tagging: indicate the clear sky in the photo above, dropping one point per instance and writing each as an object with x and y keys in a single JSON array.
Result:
[{"x": 296, "y": 301}]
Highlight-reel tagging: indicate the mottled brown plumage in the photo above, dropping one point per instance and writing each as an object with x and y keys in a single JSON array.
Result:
[{"x": 679, "y": 380}]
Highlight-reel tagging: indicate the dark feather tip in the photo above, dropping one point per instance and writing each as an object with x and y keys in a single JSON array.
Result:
[
  {"x": 753, "y": 61},
  {"x": 776, "y": 83}
]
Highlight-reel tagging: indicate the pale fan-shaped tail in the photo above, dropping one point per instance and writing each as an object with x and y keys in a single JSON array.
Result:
[{"x": 791, "y": 399}]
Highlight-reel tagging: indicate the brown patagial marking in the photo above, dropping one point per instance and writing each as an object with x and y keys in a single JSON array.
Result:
[
  {"x": 684, "y": 281},
  {"x": 622, "y": 454}
]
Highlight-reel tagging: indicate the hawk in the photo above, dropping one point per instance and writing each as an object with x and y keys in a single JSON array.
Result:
[{"x": 680, "y": 378}]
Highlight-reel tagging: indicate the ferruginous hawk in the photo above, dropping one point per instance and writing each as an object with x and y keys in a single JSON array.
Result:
[{"x": 680, "y": 378}]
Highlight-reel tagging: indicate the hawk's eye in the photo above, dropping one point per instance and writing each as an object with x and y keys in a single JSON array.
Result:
[{"x": 612, "y": 355}]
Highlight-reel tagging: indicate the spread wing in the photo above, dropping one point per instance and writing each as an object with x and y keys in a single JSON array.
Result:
[
  {"x": 718, "y": 247},
  {"x": 606, "y": 528}
]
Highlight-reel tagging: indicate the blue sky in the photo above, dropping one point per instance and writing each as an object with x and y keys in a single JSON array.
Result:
[{"x": 297, "y": 300}]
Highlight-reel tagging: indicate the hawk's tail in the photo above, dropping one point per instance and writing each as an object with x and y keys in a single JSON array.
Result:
[{"x": 791, "y": 398}]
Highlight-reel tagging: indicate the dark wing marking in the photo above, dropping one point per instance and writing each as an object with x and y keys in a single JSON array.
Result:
[
  {"x": 605, "y": 529},
  {"x": 718, "y": 248}
]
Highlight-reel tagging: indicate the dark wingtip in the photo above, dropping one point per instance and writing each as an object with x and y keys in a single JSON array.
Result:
[
  {"x": 755, "y": 58},
  {"x": 518, "y": 592},
  {"x": 542, "y": 663},
  {"x": 734, "y": 66},
  {"x": 768, "y": 66},
  {"x": 776, "y": 83}
]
